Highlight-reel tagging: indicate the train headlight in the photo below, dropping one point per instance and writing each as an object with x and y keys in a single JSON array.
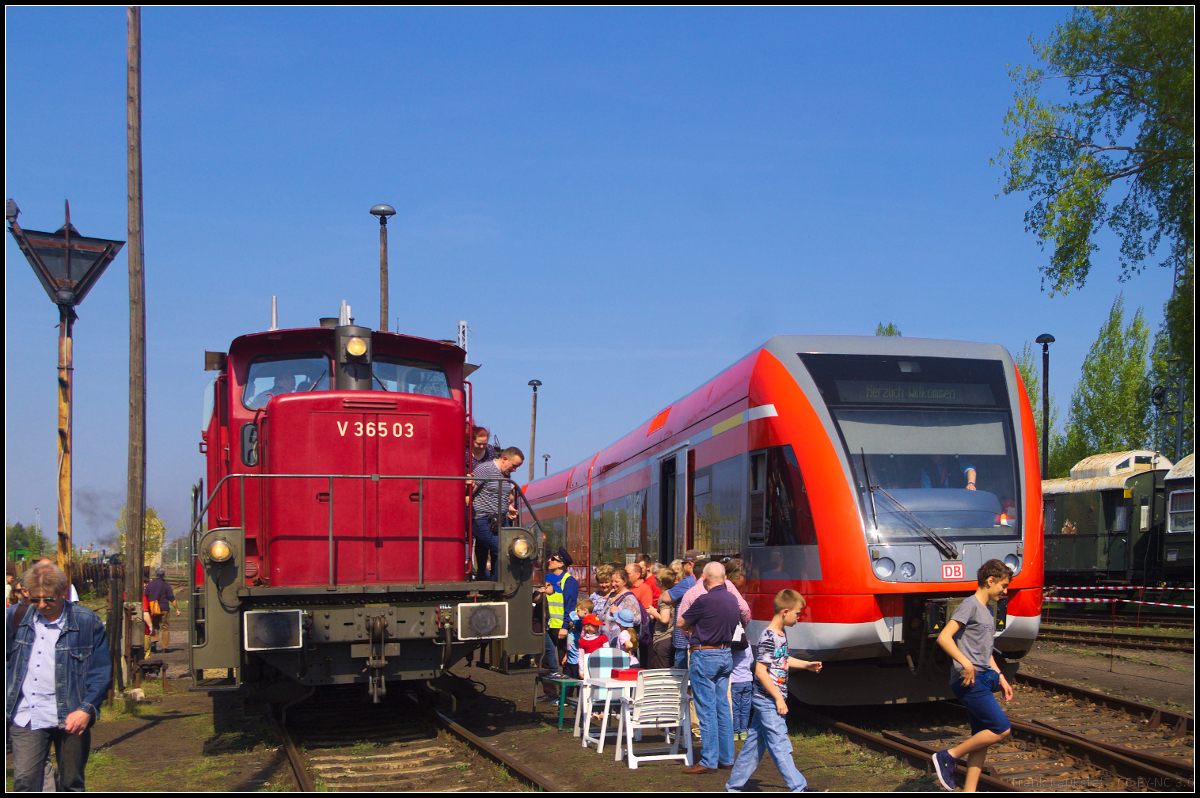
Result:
[
  {"x": 219, "y": 551},
  {"x": 521, "y": 548},
  {"x": 356, "y": 347},
  {"x": 884, "y": 567},
  {"x": 908, "y": 570},
  {"x": 1013, "y": 562}
]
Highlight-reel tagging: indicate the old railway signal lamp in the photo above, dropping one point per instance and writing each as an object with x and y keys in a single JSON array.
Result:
[{"x": 67, "y": 265}]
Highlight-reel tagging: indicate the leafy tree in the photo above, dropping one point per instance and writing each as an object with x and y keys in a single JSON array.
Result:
[
  {"x": 1129, "y": 125},
  {"x": 18, "y": 537},
  {"x": 153, "y": 535},
  {"x": 889, "y": 331},
  {"x": 1110, "y": 406}
]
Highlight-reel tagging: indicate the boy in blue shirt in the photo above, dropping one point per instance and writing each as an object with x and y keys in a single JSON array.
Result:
[{"x": 768, "y": 727}]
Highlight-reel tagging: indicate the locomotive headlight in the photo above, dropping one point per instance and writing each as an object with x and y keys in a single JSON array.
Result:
[
  {"x": 522, "y": 548},
  {"x": 884, "y": 567},
  {"x": 219, "y": 551},
  {"x": 356, "y": 347},
  {"x": 908, "y": 570},
  {"x": 1013, "y": 562}
]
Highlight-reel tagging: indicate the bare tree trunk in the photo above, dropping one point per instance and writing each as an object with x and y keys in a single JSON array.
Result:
[{"x": 136, "y": 495}]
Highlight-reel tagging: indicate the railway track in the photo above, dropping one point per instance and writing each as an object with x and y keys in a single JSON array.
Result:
[
  {"x": 1130, "y": 640},
  {"x": 337, "y": 742},
  {"x": 1064, "y": 739},
  {"x": 1059, "y": 617}
]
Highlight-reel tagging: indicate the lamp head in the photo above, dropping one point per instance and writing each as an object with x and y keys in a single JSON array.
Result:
[
  {"x": 1045, "y": 338},
  {"x": 383, "y": 212}
]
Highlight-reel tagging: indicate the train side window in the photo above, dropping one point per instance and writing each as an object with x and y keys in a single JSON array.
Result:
[
  {"x": 210, "y": 404},
  {"x": 1048, "y": 527},
  {"x": 758, "y": 499},
  {"x": 782, "y": 516},
  {"x": 1121, "y": 519},
  {"x": 1182, "y": 511}
]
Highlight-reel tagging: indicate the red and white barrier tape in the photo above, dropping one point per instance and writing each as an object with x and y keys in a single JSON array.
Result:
[
  {"x": 1120, "y": 587},
  {"x": 1055, "y": 599}
]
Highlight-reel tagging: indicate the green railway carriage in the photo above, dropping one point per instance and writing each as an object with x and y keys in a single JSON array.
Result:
[
  {"x": 1179, "y": 543},
  {"x": 1106, "y": 523}
]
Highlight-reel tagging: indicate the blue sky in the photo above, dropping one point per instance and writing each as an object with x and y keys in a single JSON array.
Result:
[{"x": 619, "y": 202}]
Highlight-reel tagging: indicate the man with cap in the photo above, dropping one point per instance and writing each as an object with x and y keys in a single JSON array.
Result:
[
  {"x": 161, "y": 597},
  {"x": 561, "y": 591},
  {"x": 679, "y": 641}
]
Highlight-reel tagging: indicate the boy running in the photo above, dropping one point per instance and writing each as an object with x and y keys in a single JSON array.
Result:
[
  {"x": 768, "y": 728},
  {"x": 967, "y": 638}
]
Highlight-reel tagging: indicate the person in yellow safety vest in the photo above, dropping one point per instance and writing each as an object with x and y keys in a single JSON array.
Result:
[{"x": 561, "y": 591}]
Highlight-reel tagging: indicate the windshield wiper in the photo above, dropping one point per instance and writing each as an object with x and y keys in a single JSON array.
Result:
[{"x": 944, "y": 546}]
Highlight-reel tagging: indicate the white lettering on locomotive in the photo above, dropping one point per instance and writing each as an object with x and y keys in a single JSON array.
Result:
[{"x": 372, "y": 429}]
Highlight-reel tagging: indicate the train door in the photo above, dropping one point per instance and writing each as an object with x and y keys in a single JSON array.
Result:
[
  {"x": 667, "y": 504},
  {"x": 674, "y": 485}
]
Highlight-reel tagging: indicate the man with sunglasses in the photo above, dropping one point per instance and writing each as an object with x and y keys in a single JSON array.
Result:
[
  {"x": 57, "y": 672},
  {"x": 561, "y": 591}
]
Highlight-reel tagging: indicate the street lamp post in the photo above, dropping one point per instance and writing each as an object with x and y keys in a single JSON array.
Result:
[
  {"x": 533, "y": 426},
  {"x": 67, "y": 265},
  {"x": 383, "y": 212},
  {"x": 1045, "y": 339},
  {"x": 546, "y": 462}
]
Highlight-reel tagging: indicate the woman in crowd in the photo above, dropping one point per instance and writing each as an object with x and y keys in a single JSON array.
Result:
[
  {"x": 663, "y": 615},
  {"x": 622, "y": 598}
]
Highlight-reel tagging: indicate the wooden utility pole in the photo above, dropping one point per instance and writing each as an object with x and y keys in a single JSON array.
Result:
[{"x": 135, "y": 502}]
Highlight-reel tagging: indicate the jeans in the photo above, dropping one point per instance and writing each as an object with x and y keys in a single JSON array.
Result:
[
  {"x": 553, "y": 653},
  {"x": 768, "y": 732},
  {"x": 486, "y": 543},
  {"x": 740, "y": 692},
  {"x": 709, "y": 678},
  {"x": 681, "y": 658},
  {"x": 31, "y": 749}
]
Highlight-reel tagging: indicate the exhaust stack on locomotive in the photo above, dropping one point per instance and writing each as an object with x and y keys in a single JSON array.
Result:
[{"x": 333, "y": 548}]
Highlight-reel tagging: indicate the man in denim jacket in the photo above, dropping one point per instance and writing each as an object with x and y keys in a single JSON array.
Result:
[{"x": 57, "y": 672}]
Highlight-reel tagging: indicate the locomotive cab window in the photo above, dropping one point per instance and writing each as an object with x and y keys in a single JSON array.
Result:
[
  {"x": 278, "y": 375},
  {"x": 402, "y": 375}
]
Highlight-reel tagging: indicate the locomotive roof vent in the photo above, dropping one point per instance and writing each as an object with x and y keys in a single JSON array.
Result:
[{"x": 329, "y": 322}]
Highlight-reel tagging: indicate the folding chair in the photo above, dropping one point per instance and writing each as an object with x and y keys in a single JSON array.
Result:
[
  {"x": 659, "y": 702},
  {"x": 600, "y": 665}
]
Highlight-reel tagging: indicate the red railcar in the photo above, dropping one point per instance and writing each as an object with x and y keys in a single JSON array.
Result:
[
  {"x": 817, "y": 460},
  {"x": 334, "y": 547}
]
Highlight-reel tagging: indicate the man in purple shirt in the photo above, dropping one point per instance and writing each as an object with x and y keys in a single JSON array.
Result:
[{"x": 711, "y": 619}]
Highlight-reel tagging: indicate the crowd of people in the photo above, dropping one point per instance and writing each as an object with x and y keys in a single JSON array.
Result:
[{"x": 691, "y": 615}]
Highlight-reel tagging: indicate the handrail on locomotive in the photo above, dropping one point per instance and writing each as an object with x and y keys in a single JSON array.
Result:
[{"x": 514, "y": 489}]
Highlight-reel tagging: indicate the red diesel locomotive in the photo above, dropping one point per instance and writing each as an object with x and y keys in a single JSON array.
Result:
[
  {"x": 874, "y": 475},
  {"x": 335, "y": 548}
]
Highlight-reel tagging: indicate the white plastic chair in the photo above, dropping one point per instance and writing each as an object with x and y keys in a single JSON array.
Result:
[
  {"x": 600, "y": 665},
  {"x": 660, "y": 702}
]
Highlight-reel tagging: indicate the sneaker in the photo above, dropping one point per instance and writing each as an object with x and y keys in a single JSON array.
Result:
[{"x": 944, "y": 766}]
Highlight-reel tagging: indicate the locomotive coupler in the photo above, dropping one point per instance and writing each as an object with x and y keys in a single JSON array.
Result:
[{"x": 377, "y": 627}]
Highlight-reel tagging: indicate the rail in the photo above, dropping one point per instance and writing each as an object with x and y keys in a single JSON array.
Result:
[{"x": 513, "y": 490}]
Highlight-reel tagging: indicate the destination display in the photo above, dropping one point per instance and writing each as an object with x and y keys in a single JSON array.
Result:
[{"x": 915, "y": 393}]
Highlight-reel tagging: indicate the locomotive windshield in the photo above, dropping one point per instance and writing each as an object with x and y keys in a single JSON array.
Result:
[
  {"x": 403, "y": 375},
  {"x": 930, "y": 441},
  {"x": 279, "y": 374}
]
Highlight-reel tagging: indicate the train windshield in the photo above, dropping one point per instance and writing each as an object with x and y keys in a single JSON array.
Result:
[
  {"x": 280, "y": 374},
  {"x": 403, "y": 375},
  {"x": 930, "y": 441}
]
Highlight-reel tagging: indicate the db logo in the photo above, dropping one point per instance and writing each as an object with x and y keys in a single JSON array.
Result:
[{"x": 952, "y": 571}]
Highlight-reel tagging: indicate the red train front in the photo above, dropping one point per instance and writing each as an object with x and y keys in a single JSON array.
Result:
[
  {"x": 335, "y": 549},
  {"x": 874, "y": 475}
]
